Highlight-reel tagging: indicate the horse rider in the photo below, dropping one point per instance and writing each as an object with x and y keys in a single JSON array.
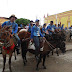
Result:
[
  {"x": 21, "y": 25},
  {"x": 30, "y": 26},
  {"x": 44, "y": 29},
  {"x": 14, "y": 25},
  {"x": 51, "y": 28},
  {"x": 65, "y": 28},
  {"x": 35, "y": 35},
  {"x": 60, "y": 27}
]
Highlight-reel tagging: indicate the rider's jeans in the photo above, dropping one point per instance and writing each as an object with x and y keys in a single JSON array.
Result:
[
  {"x": 19, "y": 42},
  {"x": 37, "y": 45}
]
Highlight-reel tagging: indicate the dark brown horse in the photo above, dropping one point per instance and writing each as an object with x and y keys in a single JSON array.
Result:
[
  {"x": 57, "y": 40},
  {"x": 25, "y": 41},
  {"x": 8, "y": 45}
]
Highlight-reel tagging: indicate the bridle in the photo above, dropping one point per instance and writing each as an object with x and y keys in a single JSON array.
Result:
[{"x": 5, "y": 42}]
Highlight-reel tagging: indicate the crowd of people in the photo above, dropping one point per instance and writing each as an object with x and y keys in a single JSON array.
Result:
[{"x": 35, "y": 30}]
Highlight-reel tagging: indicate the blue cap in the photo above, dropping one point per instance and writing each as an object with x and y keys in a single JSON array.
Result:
[{"x": 37, "y": 20}]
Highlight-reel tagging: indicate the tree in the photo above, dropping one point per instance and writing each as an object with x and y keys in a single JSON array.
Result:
[{"x": 22, "y": 21}]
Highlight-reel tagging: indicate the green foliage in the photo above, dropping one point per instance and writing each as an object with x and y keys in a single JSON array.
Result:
[{"x": 22, "y": 21}]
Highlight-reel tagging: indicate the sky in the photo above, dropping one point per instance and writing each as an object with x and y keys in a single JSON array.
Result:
[{"x": 32, "y": 9}]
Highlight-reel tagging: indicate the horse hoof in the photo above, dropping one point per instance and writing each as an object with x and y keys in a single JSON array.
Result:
[
  {"x": 24, "y": 64},
  {"x": 44, "y": 67},
  {"x": 10, "y": 70},
  {"x": 37, "y": 69},
  {"x": 57, "y": 55},
  {"x": 47, "y": 55}
]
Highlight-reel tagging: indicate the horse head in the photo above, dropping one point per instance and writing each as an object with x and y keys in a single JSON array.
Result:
[{"x": 5, "y": 36}]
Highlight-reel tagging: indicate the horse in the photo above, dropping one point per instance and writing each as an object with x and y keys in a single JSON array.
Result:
[
  {"x": 57, "y": 40},
  {"x": 8, "y": 45},
  {"x": 26, "y": 46},
  {"x": 68, "y": 34}
]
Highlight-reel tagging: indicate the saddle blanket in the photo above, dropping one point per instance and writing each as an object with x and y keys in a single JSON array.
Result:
[
  {"x": 32, "y": 46},
  {"x": 9, "y": 48}
]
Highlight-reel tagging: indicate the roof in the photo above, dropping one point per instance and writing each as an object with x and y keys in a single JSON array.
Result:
[{"x": 4, "y": 18}]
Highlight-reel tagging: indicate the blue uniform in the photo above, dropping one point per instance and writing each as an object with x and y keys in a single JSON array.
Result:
[
  {"x": 70, "y": 27},
  {"x": 30, "y": 28},
  {"x": 14, "y": 26},
  {"x": 65, "y": 28},
  {"x": 61, "y": 28},
  {"x": 35, "y": 34},
  {"x": 14, "y": 29},
  {"x": 21, "y": 25},
  {"x": 43, "y": 29},
  {"x": 51, "y": 27}
]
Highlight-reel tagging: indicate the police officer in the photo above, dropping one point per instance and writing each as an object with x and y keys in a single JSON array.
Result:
[{"x": 14, "y": 25}]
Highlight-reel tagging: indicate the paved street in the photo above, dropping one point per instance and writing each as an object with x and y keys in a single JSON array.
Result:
[{"x": 61, "y": 63}]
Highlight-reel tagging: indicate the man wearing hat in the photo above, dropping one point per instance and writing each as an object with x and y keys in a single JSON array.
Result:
[
  {"x": 14, "y": 25},
  {"x": 35, "y": 34},
  {"x": 30, "y": 26}
]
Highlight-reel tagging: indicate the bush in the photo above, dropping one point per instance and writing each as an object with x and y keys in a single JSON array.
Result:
[{"x": 22, "y": 21}]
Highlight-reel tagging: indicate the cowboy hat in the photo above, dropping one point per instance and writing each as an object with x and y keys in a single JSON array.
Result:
[{"x": 13, "y": 16}]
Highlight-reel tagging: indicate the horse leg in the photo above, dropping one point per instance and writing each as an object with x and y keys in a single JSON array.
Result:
[
  {"x": 10, "y": 56},
  {"x": 24, "y": 60},
  {"x": 38, "y": 62},
  {"x": 48, "y": 53},
  {"x": 44, "y": 57},
  {"x": 4, "y": 61},
  {"x": 15, "y": 54},
  {"x": 57, "y": 51},
  {"x": 24, "y": 57},
  {"x": 52, "y": 52}
]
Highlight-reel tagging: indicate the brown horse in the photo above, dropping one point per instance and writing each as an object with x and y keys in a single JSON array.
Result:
[
  {"x": 8, "y": 45},
  {"x": 25, "y": 42}
]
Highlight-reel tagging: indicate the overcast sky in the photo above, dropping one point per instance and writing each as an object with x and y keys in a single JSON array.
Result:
[{"x": 32, "y": 9}]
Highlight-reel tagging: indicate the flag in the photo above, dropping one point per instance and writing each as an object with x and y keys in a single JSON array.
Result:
[
  {"x": 47, "y": 15},
  {"x": 44, "y": 16}
]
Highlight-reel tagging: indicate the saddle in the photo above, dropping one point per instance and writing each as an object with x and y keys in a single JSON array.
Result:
[{"x": 32, "y": 45}]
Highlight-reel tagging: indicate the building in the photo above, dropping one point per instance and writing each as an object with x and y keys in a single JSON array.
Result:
[
  {"x": 63, "y": 18},
  {"x": 3, "y": 19}
]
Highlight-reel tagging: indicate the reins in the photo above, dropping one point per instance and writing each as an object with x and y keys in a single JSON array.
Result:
[{"x": 50, "y": 45}]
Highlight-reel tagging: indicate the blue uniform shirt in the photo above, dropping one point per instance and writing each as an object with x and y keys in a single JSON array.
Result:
[
  {"x": 30, "y": 27},
  {"x": 61, "y": 28},
  {"x": 14, "y": 26},
  {"x": 70, "y": 27},
  {"x": 21, "y": 25},
  {"x": 35, "y": 32},
  {"x": 43, "y": 29},
  {"x": 51, "y": 27},
  {"x": 65, "y": 28}
]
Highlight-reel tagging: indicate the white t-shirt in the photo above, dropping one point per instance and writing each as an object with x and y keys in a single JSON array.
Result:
[{"x": 27, "y": 27}]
